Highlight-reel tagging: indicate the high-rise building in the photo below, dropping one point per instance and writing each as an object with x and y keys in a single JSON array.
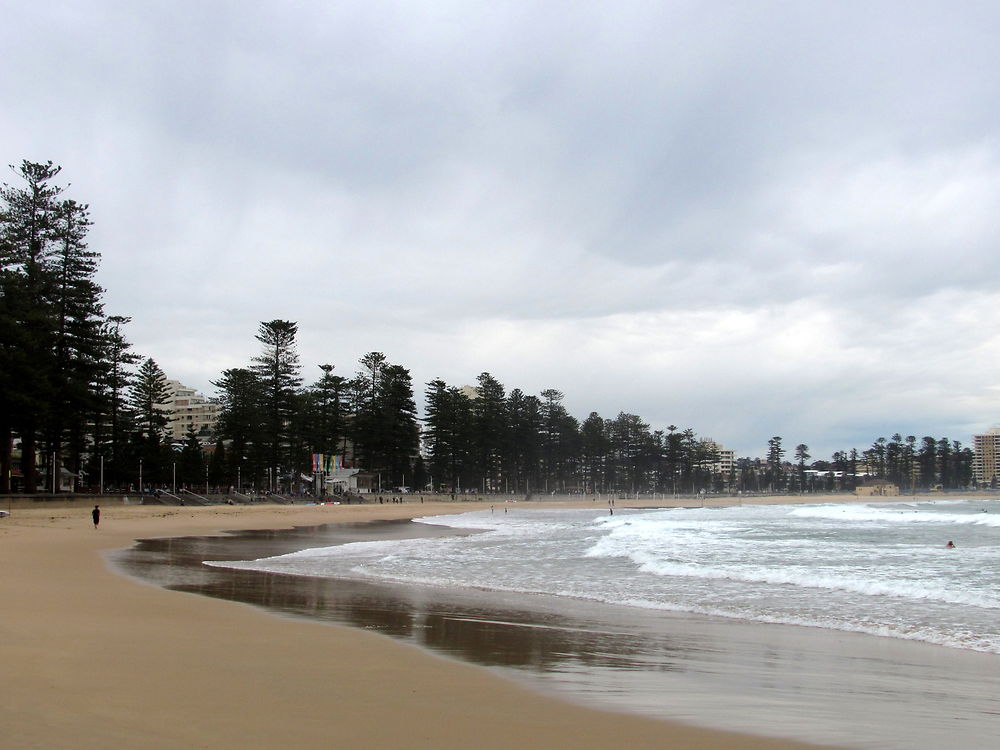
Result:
[
  {"x": 723, "y": 459},
  {"x": 188, "y": 410},
  {"x": 986, "y": 464}
]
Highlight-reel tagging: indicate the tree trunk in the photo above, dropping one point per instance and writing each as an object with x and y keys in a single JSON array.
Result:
[
  {"x": 6, "y": 441},
  {"x": 29, "y": 468}
]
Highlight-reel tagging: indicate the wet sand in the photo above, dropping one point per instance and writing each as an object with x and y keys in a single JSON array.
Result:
[
  {"x": 785, "y": 680},
  {"x": 94, "y": 659}
]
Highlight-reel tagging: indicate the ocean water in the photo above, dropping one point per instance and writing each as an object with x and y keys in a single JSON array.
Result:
[
  {"x": 881, "y": 569},
  {"x": 846, "y": 624}
]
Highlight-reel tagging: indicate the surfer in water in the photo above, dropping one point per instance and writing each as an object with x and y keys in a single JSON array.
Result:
[{"x": 950, "y": 545}]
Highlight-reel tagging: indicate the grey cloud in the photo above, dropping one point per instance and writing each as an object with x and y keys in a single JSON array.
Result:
[{"x": 428, "y": 178}]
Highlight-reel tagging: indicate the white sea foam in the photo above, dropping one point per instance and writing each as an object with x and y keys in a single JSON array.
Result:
[
  {"x": 907, "y": 514},
  {"x": 869, "y": 585},
  {"x": 854, "y": 568}
]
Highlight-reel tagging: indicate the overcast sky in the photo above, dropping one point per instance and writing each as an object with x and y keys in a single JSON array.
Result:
[{"x": 746, "y": 218}]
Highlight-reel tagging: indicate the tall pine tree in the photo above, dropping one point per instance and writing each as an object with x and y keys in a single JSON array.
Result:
[
  {"x": 277, "y": 370},
  {"x": 27, "y": 319}
]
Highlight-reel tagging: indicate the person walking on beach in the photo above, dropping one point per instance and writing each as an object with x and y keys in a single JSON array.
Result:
[{"x": 96, "y": 515}]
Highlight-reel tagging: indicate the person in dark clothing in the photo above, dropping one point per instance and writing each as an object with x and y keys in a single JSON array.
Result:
[{"x": 96, "y": 515}]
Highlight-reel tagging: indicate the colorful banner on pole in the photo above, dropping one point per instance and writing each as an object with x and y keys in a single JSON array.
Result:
[{"x": 326, "y": 463}]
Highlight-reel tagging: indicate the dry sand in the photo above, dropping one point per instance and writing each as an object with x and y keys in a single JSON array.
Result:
[{"x": 92, "y": 659}]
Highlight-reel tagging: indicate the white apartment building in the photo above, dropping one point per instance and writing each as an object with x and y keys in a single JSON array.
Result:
[
  {"x": 986, "y": 464},
  {"x": 188, "y": 410},
  {"x": 725, "y": 458}
]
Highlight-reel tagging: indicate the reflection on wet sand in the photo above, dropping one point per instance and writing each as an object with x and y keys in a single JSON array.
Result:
[
  {"x": 805, "y": 683},
  {"x": 462, "y": 625}
]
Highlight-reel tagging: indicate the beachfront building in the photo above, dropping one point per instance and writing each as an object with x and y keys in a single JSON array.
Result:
[
  {"x": 721, "y": 461},
  {"x": 986, "y": 460},
  {"x": 67, "y": 481},
  {"x": 877, "y": 488},
  {"x": 188, "y": 410},
  {"x": 350, "y": 480}
]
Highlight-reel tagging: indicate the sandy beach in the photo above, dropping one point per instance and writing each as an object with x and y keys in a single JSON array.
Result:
[{"x": 94, "y": 659}]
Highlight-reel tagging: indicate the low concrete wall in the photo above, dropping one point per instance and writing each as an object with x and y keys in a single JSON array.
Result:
[{"x": 60, "y": 500}]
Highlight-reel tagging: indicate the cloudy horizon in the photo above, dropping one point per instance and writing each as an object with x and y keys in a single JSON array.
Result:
[{"x": 746, "y": 218}]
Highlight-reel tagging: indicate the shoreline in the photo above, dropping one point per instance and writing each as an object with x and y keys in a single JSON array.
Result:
[{"x": 99, "y": 659}]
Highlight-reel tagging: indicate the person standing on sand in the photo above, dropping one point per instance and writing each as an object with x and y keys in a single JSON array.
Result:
[{"x": 96, "y": 515}]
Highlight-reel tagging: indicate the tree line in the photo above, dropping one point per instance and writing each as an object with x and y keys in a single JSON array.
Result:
[
  {"x": 485, "y": 438},
  {"x": 906, "y": 462},
  {"x": 481, "y": 438},
  {"x": 912, "y": 463},
  {"x": 76, "y": 395},
  {"x": 270, "y": 425},
  {"x": 62, "y": 358}
]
